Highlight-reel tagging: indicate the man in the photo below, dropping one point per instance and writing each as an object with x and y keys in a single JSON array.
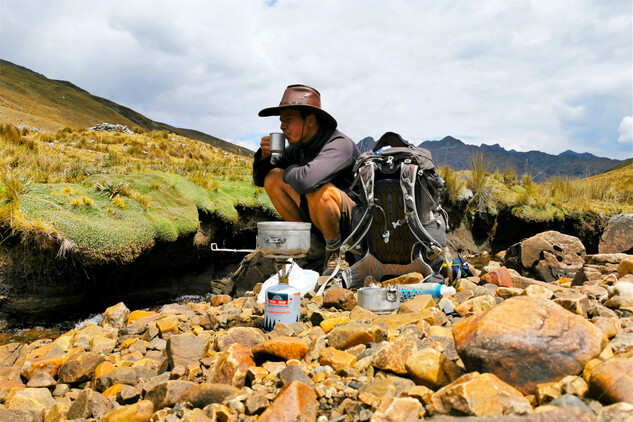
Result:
[{"x": 311, "y": 180}]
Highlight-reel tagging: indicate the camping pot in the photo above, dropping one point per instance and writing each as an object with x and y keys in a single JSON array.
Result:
[
  {"x": 283, "y": 239},
  {"x": 379, "y": 300}
]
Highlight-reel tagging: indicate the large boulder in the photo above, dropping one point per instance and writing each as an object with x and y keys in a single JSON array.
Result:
[
  {"x": 618, "y": 235},
  {"x": 547, "y": 256},
  {"x": 526, "y": 341}
]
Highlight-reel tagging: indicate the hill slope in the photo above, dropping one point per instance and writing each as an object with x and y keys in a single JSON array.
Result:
[{"x": 30, "y": 99}]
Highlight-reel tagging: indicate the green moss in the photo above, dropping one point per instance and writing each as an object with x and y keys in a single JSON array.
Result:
[
  {"x": 534, "y": 213},
  {"x": 104, "y": 230}
]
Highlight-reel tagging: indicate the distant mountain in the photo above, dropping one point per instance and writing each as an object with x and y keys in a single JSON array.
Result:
[
  {"x": 31, "y": 99},
  {"x": 538, "y": 164},
  {"x": 541, "y": 166}
]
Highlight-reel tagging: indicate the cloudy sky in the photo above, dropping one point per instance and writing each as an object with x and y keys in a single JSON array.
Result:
[{"x": 530, "y": 75}]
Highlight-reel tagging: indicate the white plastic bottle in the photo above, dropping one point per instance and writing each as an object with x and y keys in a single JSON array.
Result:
[{"x": 436, "y": 290}]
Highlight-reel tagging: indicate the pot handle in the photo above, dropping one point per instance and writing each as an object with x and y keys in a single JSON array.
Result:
[
  {"x": 277, "y": 240},
  {"x": 392, "y": 293}
]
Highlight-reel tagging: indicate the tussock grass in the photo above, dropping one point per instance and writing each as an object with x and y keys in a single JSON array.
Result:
[
  {"x": 477, "y": 180},
  {"x": 608, "y": 193},
  {"x": 109, "y": 196}
]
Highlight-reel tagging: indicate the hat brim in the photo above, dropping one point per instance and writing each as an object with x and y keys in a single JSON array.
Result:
[{"x": 275, "y": 111}]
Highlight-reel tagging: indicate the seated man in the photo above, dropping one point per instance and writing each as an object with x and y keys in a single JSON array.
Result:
[{"x": 310, "y": 181}]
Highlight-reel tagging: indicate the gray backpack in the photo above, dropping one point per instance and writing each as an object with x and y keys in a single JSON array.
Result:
[{"x": 399, "y": 226}]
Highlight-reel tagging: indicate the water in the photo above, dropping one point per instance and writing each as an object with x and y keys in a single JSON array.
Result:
[{"x": 52, "y": 331}]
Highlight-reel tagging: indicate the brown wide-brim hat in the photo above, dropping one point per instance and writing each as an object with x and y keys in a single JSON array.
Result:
[{"x": 301, "y": 97}]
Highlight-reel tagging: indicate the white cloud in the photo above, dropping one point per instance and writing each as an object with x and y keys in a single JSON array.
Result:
[
  {"x": 531, "y": 74},
  {"x": 626, "y": 129}
]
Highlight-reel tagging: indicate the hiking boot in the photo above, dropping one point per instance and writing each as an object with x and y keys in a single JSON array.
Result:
[{"x": 332, "y": 259}]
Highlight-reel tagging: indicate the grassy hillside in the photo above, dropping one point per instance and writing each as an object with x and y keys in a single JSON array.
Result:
[
  {"x": 30, "y": 99},
  {"x": 110, "y": 196}
]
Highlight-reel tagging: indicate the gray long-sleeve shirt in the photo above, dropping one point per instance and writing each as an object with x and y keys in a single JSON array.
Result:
[{"x": 309, "y": 166}]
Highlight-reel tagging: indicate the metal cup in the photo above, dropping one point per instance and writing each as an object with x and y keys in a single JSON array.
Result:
[{"x": 277, "y": 143}]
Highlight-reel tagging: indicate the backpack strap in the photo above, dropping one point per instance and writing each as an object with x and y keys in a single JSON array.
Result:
[
  {"x": 366, "y": 178},
  {"x": 408, "y": 174}
]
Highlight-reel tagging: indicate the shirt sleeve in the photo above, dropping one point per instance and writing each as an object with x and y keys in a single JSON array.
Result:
[{"x": 333, "y": 158}]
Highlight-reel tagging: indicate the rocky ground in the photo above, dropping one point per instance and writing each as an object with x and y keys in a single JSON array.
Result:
[{"x": 507, "y": 346}]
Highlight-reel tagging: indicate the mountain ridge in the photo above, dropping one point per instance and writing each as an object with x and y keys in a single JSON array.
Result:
[{"x": 540, "y": 165}]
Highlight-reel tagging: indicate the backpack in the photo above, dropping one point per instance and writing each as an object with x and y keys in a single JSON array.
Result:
[{"x": 399, "y": 226}]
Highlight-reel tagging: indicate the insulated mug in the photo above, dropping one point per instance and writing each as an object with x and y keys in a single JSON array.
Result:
[{"x": 277, "y": 143}]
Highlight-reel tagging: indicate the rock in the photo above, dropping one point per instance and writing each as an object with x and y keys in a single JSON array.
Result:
[
  {"x": 476, "y": 305},
  {"x": 41, "y": 379},
  {"x": 499, "y": 276},
  {"x": 536, "y": 290},
  {"x": 426, "y": 367},
  {"x": 256, "y": 403},
  {"x": 393, "y": 356},
  {"x": 89, "y": 404},
  {"x": 295, "y": 373},
  {"x": 385, "y": 386},
  {"x": 619, "y": 412},
  {"x": 612, "y": 381},
  {"x": 121, "y": 375},
  {"x": 417, "y": 304},
  {"x": 246, "y": 336},
  {"x": 577, "y": 303},
  {"x": 527, "y": 341},
  {"x": 79, "y": 367},
  {"x": 479, "y": 395},
  {"x": 184, "y": 349},
  {"x": 597, "y": 267},
  {"x": 552, "y": 414},
  {"x": 342, "y": 299},
  {"x": 295, "y": 401},
  {"x": 360, "y": 314},
  {"x": 253, "y": 269},
  {"x": 336, "y": 359},
  {"x": 167, "y": 394},
  {"x": 625, "y": 267},
  {"x": 116, "y": 316},
  {"x": 401, "y": 409},
  {"x": 33, "y": 400},
  {"x": 285, "y": 348},
  {"x": 139, "y": 315},
  {"x": 9, "y": 353},
  {"x": 137, "y": 412},
  {"x": 546, "y": 256},
  {"x": 622, "y": 341},
  {"x": 232, "y": 365},
  {"x": 109, "y": 127},
  {"x": 206, "y": 393},
  {"x": 16, "y": 415},
  {"x": 618, "y": 235},
  {"x": 569, "y": 400},
  {"x": 344, "y": 336},
  {"x": 393, "y": 322},
  {"x": 620, "y": 295}
]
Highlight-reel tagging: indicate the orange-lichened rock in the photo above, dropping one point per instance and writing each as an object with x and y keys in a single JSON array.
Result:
[
  {"x": 285, "y": 348},
  {"x": 294, "y": 402},
  {"x": 526, "y": 341}
]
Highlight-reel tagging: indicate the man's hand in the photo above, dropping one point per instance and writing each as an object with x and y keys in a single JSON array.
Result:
[{"x": 265, "y": 146}]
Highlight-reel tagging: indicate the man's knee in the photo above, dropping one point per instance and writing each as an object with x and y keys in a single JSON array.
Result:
[
  {"x": 273, "y": 180},
  {"x": 328, "y": 195}
]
